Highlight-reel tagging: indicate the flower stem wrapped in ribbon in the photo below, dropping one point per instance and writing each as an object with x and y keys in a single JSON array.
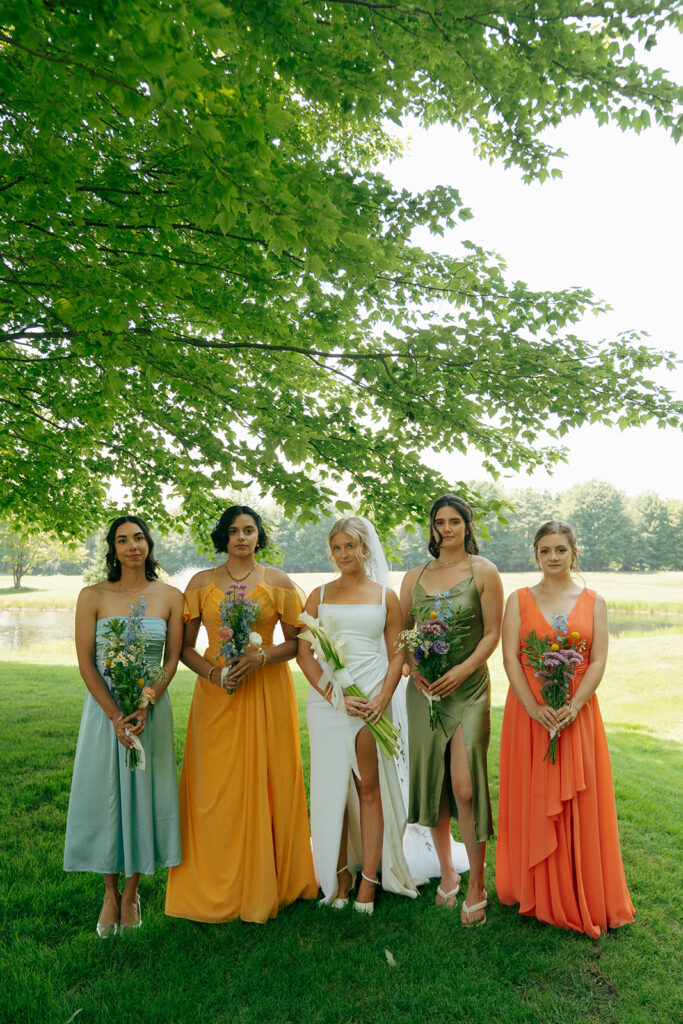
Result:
[
  {"x": 128, "y": 672},
  {"x": 329, "y": 651},
  {"x": 554, "y": 662}
]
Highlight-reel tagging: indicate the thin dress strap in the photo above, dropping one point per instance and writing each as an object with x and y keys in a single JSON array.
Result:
[
  {"x": 384, "y": 596},
  {"x": 322, "y": 593},
  {"x": 470, "y": 559},
  {"x": 420, "y": 576},
  {"x": 213, "y": 576}
]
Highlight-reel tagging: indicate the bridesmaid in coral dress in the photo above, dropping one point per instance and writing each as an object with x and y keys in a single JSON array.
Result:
[
  {"x": 244, "y": 825},
  {"x": 558, "y": 853}
]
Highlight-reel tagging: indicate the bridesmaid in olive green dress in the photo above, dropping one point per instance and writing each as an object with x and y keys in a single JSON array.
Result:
[{"x": 448, "y": 777}]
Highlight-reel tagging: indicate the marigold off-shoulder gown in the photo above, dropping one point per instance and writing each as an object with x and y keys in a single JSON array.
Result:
[{"x": 244, "y": 826}]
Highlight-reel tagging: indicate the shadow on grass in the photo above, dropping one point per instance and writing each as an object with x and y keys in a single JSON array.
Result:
[
  {"x": 311, "y": 964},
  {"x": 19, "y": 590}
]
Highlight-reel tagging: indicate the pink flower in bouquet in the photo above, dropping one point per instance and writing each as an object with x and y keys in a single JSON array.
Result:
[{"x": 225, "y": 633}]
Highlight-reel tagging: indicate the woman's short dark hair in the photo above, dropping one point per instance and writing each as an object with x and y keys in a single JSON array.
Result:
[
  {"x": 450, "y": 500},
  {"x": 219, "y": 534},
  {"x": 113, "y": 564}
]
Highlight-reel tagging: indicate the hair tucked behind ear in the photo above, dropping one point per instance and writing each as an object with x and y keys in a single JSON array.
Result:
[
  {"x": 113, "y": 564},
  {"x": 565, "y": 530}
]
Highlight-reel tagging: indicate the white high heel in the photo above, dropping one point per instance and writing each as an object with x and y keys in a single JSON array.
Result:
[
  {"x": 341, "y": 901},
  {"x": 366, "y": 908}
]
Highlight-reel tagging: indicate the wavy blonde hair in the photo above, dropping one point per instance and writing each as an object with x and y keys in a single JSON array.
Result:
[{"x": 357, "y": 529}]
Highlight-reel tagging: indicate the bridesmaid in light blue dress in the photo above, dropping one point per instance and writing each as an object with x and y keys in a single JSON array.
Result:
[{"x": 121, "y": 820}]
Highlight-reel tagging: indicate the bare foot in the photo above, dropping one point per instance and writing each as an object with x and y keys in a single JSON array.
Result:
[
  {"x": 345, "y": 883},
  {"x": 130, "y": 911},
  {"x": 111, "y": 907}
]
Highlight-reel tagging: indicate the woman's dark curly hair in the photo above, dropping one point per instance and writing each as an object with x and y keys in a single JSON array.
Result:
[
  {"x": 434, "y": 545},
  {"x": 113, "y": 564},
  {"x": 219, "y": 534}
]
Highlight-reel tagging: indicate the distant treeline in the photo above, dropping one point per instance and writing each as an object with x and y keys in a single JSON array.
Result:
[{"x": 614, "y": 533}]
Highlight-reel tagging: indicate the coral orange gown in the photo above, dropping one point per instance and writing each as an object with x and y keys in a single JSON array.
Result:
[
  {"x": 244, "y": 826},
  {"x": 558, "y": 853}
]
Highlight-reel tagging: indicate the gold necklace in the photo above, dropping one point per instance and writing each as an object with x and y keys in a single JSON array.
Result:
[
  {"x": 238, "y": 579},
  {"x": 449, "y": 565}
]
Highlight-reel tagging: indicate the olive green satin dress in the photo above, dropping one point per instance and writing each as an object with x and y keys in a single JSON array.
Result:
[{"x": 469, "y": 706}]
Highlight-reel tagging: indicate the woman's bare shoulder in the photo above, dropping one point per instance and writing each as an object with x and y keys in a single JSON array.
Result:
[
  {"x": 200, "y": 579},
  {"x": 275, "y": 577}
]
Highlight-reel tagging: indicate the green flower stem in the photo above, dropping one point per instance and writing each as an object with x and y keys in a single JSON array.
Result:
[{"x": 385, "y": 732}]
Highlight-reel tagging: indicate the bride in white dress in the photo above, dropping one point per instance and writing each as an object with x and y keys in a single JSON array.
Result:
[{"x": 358, "y": 815}]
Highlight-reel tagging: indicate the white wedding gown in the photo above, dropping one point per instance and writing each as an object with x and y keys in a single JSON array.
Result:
[
  {"x": 332, "y": 735},
  {"x": 408, "y": 856}
]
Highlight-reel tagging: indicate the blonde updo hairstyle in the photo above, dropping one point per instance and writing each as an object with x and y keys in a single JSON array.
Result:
[
  {"x": 355, "y": 528},
  {"x": 557, "y": 526}
]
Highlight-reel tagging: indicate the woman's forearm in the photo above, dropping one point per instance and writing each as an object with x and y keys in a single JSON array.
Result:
[
  {"x": 588, "y": 685},
  {"x": 279, "y": 653},
  {"x": 481, "y": 653}
]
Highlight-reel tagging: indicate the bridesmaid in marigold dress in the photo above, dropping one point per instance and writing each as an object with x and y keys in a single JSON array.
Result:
[
  {"x": 558, "y": 853},
  {"x": 244, "y": 825}
]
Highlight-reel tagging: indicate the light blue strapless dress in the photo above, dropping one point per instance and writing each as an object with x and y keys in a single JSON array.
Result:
[{"x": 121, "y": 820}]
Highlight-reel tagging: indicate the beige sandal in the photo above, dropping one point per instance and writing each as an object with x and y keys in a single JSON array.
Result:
[
  {"x": 472, "y": 910},
  {"x": 446, "y": 899}
]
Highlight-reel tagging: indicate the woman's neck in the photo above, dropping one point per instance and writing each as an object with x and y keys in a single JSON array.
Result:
[
  {"x": 352, "y": 579},
  {"x": 556, "y": 584},
  {"x": 133, "y": 580},
  {"x": 450, "y": 558}
]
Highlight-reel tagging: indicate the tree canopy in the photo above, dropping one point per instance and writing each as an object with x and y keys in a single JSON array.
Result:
[{"x": 205, "y": 280}]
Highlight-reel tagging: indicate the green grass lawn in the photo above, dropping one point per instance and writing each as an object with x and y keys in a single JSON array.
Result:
[{"x": 310, "y": 964}]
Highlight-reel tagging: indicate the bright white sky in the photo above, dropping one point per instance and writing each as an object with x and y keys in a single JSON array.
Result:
[{"x": 613, "y": 223}]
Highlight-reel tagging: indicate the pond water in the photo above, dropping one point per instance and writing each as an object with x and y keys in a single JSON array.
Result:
[{"x": 20, "y": 629}]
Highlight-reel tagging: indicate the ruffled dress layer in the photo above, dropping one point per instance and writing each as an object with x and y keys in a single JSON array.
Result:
[
  {"x": 558, "y": 853},
  {"x": 120, "y": 820},
  {"x": 244, "y": 825}
]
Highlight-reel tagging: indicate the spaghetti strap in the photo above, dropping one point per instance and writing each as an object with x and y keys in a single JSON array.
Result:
[
  {"x": 384, "y": 596},
  {"x": 322, "y": 593},
  {"x": 420, "y": 576},
  {"x": 213, "y": 576},
  {"x": 470, "y": 561}
]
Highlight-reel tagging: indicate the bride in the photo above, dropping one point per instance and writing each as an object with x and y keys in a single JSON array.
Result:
[{"x": 357, "y": 813}]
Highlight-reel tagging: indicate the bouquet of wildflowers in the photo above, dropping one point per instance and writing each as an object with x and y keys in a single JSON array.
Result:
[
  {"x": 127, "y": 671},
  {"x": 554, "y": 662},
  {"x": 238, "y": 613},
  {"x": 432, "y": 643},
  {"x": 330, "y": 652}
]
